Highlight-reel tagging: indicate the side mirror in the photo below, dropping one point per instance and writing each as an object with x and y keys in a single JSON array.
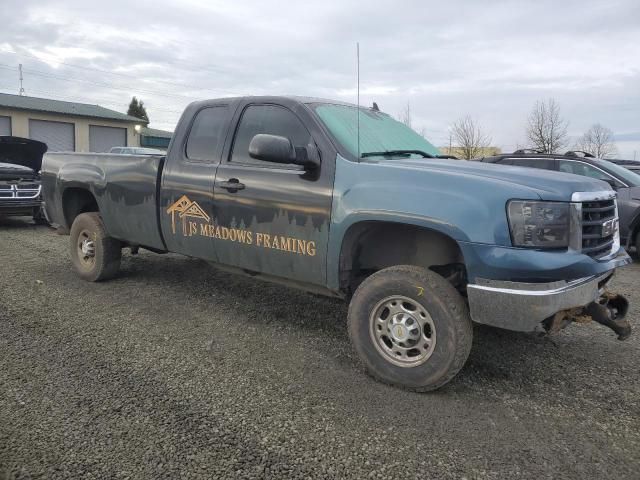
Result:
[
  {"x": 272, "y": 148},
  {"x": 612, "y": 182},
  {"x": 277, "y": 149}
]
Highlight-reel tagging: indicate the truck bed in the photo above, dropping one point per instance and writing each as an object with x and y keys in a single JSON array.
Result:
[{"x": 125, "y": 188}]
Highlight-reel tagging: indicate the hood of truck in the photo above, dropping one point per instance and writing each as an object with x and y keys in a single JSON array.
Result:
[
  {"x": 466, "y": 201},
  {"x": 22, "y": 151},
  {"x": 548, "y": 185}
]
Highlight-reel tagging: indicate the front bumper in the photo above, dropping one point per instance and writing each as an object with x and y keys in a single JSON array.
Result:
[
  {"x": 523, "y": 306},
  {"x": 16, "y": 207}
]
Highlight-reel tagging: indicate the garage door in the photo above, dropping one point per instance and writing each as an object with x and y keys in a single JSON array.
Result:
[
  {"x": 5, "y": 125},
  {"x": 101, "y": 139},
  {"x": 58, "y": 136}
]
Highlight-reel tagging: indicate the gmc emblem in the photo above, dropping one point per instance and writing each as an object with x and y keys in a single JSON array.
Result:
[{"x": 608, "y": 227}]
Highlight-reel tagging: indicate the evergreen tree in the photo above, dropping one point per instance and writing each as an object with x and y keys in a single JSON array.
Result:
[{"x": 136, "y": 109}]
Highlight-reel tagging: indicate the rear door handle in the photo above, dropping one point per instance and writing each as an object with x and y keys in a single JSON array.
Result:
[{"x": 232, "y": 185}]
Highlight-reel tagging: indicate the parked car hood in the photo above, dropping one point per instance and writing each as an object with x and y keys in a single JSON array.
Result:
[
  {"x": 9, "y": 171},
  {"x": 549, "y": 185},
  {"x": 22, "y": 151}
]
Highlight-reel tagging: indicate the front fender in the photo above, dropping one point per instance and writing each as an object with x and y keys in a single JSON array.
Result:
[
  {"x": 340, "y": 229},
  {"x": 461, "y": 208}
]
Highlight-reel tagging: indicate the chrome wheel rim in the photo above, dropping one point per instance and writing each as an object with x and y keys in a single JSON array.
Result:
[
  {"x": 402, "y": 331},
  {"x": 86, "y": 249}
]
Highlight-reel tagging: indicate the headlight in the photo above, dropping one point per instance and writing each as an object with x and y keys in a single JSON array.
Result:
[{"x": 539, "y": 224}]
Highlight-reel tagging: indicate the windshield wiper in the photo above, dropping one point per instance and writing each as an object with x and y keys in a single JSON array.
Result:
[{"x": 392, "y": 153}]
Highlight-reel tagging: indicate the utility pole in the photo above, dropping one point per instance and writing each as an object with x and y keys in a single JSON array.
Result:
[
  {"x": 21, "y": 88},
  {"x": 450, "y": 140}
]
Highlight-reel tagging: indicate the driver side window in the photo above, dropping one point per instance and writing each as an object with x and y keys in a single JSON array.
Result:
[{"x": 272, "y": 120}]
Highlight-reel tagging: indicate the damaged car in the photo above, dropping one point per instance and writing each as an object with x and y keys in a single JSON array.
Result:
[{"x": 20, "y": 189}]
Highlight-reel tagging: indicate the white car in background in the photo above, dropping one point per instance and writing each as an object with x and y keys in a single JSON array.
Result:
[{"x": 136, "y": 151}]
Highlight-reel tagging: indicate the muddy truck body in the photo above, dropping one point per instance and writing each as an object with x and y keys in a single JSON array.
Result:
[{"x": 347, "y": 202}]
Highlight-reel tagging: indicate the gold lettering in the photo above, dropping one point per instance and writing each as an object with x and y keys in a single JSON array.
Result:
[
  {"x": 311, "y": 248},
  {"x": 283, "y": 243},
  {"x": 301, "y": 246},
  {"x": 277, "y": 242}
]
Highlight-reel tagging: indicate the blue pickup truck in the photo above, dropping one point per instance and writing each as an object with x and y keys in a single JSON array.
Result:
[{"x": 347, "y": 202}]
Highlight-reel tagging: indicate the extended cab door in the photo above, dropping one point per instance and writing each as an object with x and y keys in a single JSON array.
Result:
[
  {"x": 274, "y": 218},
  {"x": 186, "y": 192}
]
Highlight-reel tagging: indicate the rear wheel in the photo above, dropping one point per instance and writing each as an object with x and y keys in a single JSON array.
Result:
[
  {"x": 410, "y": 328},
  {"x": 94, "y": 254}
]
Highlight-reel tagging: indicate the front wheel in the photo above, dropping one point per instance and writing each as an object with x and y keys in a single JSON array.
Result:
[
  {"x": 94, "y": 254},
  {"x": 410, "y": 328}
]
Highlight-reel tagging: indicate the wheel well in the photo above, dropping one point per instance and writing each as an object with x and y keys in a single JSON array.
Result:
[
  {"x": 76, "y": 201},
  {"x": 371, "y": 246}
]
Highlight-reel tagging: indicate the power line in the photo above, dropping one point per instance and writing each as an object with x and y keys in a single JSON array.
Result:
[
  {"x": 135, "y": 77},
  {"x": 122, "y": 88}
]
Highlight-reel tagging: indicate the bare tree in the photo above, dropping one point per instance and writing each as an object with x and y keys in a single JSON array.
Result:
[
  {"x": 546, "y": 131},
  {"x": 405, "y": 115},
  {"x": 597, "y": 141},
  {"x": 469, "y": 137}
]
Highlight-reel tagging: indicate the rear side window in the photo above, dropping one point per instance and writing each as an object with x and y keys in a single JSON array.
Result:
[
  {"x": 204, "y": 137},
  {"x": 542, "y": 163},
  {"x": 579, "y": 168},
  {"x": 272, "y": 120}
]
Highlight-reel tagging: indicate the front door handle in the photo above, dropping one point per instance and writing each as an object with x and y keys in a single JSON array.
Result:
[{"x": 233, "y": 185}]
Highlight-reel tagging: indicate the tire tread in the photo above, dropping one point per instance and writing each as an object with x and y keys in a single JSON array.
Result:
[
  {"x": 456, "y": 305},
  {"x": 108, "y": 263}
]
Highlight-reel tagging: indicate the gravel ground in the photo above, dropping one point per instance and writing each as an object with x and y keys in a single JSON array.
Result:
[{"x": 176, "y": 370}]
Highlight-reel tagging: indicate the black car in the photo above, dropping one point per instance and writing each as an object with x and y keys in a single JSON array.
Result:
[
  {"x": 20, "y": 191},
  {"x": 621, "y": 179}
]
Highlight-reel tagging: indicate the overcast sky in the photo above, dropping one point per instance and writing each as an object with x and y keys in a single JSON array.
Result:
[{"x": 488, "y": 59}]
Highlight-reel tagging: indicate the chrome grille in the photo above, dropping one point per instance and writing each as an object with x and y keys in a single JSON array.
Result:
[
  {"x": 20, "y": 190},
  {"x": 599, "y": 227}
]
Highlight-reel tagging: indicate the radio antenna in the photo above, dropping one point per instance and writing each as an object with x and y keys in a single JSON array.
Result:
[{"x": 358, "y": 93}]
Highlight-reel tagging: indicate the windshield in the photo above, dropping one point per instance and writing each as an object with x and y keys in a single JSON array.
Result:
[
  {"x": 379, "y": 132},
  {"x": 627, "y": 176}
]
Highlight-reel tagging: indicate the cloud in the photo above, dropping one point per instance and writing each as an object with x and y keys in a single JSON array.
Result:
[{"x": 490, "y": 59}]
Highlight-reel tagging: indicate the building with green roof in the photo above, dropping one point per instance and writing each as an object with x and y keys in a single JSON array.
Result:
[{"x": 68, "y": 126}]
